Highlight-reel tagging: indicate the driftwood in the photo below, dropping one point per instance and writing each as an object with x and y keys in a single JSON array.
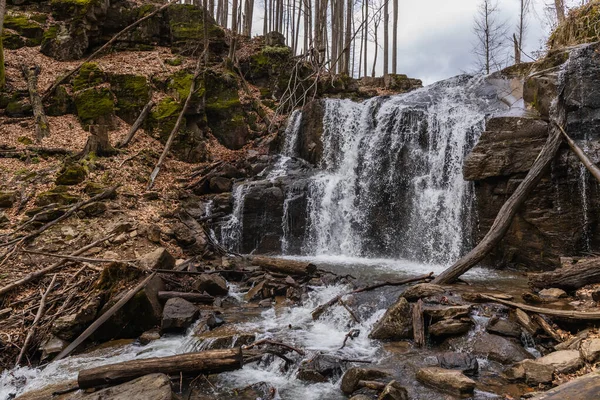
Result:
[
  {"x": 177, "y": 125},
  {"x": 288, "y": 267},
  {"x": 418, "y": 324},
  {"x": 104, "y": 195},
  {"x": 204, "y": 362},
  {"x": 584, "y": 272},
  {"x": 137, "y": 124},
  {"x": 506, "y": 213},
  {"x": 98, "y": 142},
  {"x": 191, "y": 297},
  {"x": 37, "y": 274},
  {"x": 65, "y": 77},
  {"x": 595, "y": 171},
  {"x": 553, "y": 333},
  {"x": 104, "y": 317},
  {"x": 42, "y": 127},
  {"x": 575, "y": 315},
  {"x": 38, "y": 316},
  {"x": 317, "y": 312},
  {"x": 350, "y": 335}
]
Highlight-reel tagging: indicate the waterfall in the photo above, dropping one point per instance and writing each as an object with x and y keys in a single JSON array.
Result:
[{"x": 389, "y": 182}]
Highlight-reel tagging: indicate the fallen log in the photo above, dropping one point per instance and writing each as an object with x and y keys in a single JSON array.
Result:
[
  {"x": 585, "y": 272},
  {"x": 136, "y": 125},
  {"x": 288, "y": 267},
  {"x": 191, "y": 364},
  {"x": 507, "y": 212},
  {"x": 103, "y": 318},
  {"x": 317, "y": 312},
  {"x": 191, "y": 297},
  {"x": 576, "y": 315},
  {"x": 595, "y": 171},
  {"x": 553, "y": 333},
  {"x": 418, "y": 324},
  {"x": 42, "y": 127}
]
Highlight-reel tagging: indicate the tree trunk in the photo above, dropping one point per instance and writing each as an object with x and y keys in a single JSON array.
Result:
[
  {"x": 348, "y": 38},
  {"x": 2, "y": 70},
  {"x": 386, "y": 41},
  {"x": 137, "y": 124},
  {"x": 289, "y": 267},
  {"x": 395, "y": 39},
  {"x": 560, "y": 10},
  {"x": 585, "y": 272},
  {"x": 98, "y": 142},
  {"x": 418, "y": 324},
  {"x": 517, "y": 50},
  {"x": 366, "y": 37},
  {"x": 42, "y": 127},
  {"x": 506, "y": 213},
  {"x": 191, "y": 364}
]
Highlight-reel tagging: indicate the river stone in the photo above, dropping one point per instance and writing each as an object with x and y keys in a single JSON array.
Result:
[
  {"x": 467, "y": 363},
  {"x": 393, "y": 391},
  {"x": 585, "y": 387},
  {"x": 564, "y": 360},
  {"x": 526, "y": 322},
  {"x": 395, "y": 324},
  {"x": 157, "y": 259},
  {"x": 153, "y": 386},
  {"x": 504, "y": 327},
  {"x": 552, "y": 293},
  {"x": 320, "y": 368},
  {"x": 353, "y": 375},
  {"x": 449, "y": 327},
  {"x": 500, "y": 349},
  {"x": 149, "y": 336},
  {"x": 178, "y": 315},
  {"x": 447, "y": 312},
  {"x": 421, "y": 290},
  {"x": 537, "y": 372},
  {"x": 52, "y": 346},
  {"x": 447, "y": 380},
  {"x": 212, "y": 284},
  {"x": 590, "y": 350}
]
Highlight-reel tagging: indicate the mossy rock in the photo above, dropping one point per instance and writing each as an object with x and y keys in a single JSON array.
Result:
[
  {"x": 179, "y": 85},
  {"x": 59, "y": 195},
  {"x": 187, "y": 29},
  {"x": 25, "y": 140},
  {"x": 7, "y": 199},
  {"x": 95, "y": 106},
  {"x": 74, "y": 9},
  {"x": 132, "y": 93},
  {"x": 94, "y": 209},
  {"x": 12, "y": 40},
  {"x": 174, "y": 62},
  {"x": 71, "y": 174},
  {"x": 19, "y": 108},
  {"x": 24, "y": 26},
  {"x": 60, "y": 103},
  {"x": 65, "y": 41},
  {"x": 93, "y": 189},
  {"x": 45, "y": 216},
  {"x": 89, "y": 75}
]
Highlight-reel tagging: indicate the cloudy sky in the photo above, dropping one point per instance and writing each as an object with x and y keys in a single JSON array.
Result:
[{"x": 435, "y": 38}]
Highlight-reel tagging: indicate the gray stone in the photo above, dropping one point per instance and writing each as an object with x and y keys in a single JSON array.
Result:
[
  {"x": 532, "y": 371},
  {"x": 446, "y": 380},
  {"x": 212, "y": 284},
  {"x": 178, "y": 315},
  {"x": 52, "y": 346},
  {"x": 153, "y": 386},
  {"x": 447, "y": 312},
  {"x": 320, "y": 368},
  {"x": 353, "y": 375},
  {"x": 467, "y": 363},
  {"x": 220, "y": 184},
  {"x": 157, "y": 259},
  {"x": 150, "y": 232},
  {"x": 500, "y": 349},
  {"x": 590, "y": 350},
  {"x": 563, "y": 361},
  {"x": 552, "y": 293},
  {"x": 149, "y": 336},
  {"x": 504, "y": 327},
  {"x": 395, "y": 324},
  {"x": 449, "y": 327}
]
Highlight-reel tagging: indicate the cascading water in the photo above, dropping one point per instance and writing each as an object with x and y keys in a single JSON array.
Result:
[{"x": 389, "y": 182}]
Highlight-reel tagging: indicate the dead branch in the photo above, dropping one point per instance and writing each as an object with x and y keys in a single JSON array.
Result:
[
  {"x": 62, "y": 80},
  {"x": 38, "y": 316},
  {"x": 350, "y": 335},
  {"x": 137, "y": 124},
  {"x": 576, "y": 315},
  {"x": 104, "y": 317}
]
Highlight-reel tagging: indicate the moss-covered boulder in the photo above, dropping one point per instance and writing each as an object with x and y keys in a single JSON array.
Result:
[
  {"x": 71, "y": 174},
  {"x": 18, "y": 108},
  {"x": 79, "y": 9},
  {"x": 60, "y": 103},
  {"x": 59, "y": 195},
  {"x": 224, "y": 112},
  {"x": 89, "y": 75},
  {"x": 24, "y": 26},
  {"x": 7, "y": 199},
  {"x": 132, "y": 93},
  {"x": 178, "y": 86},
  {"x": 95, "y": 106},
  {"x": 12, "y": 40},
  {"x": 65, "y": 41},
  {"x": 187, "y": 29},
  {"x": 163, "y": 117}
]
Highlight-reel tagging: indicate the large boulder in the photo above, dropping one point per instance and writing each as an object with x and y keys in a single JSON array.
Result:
[
  {"x": 446, "y": 380},
  {"x": 449, "y": 327},
  {"x": 504, "y": 327},
  {"x": 350, "y": 379},
  {"x": 467, "y": 363},
  {"x": 157, "y": 259},
  {"x": 500, "y": 349},
  {"x": 178, "y": 315},
  {"x": 564, "y": 361},
  {"x": 395, "y": 324},
  {"x": 590, "y": 350},
  {"x": 532, "y": 371},
  {"x": 212, "y": 284}
]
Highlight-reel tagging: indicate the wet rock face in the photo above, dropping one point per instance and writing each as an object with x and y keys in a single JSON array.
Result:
[
  {"x": 560, "y": 215},
  {"x": 500, "y": 349},
  {"x": 178, "y": 315},
  {"x": 446, "y": 380},
  {"x": 395, "y": 324}
]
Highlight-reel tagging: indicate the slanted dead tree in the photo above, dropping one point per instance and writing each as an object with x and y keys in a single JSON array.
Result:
[
  {"x": 42, "y": 127},
  {"x": 507, "y": 212},
  {"x": 585, "y": 160},
  {"x": 137, "y": 124}
]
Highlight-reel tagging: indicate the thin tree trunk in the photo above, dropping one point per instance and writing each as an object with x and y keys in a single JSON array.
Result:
[
  {"x": 137, "y": 124},
  {"x": 348, "y": 32},
  {"x": 386, "y": 41},
  {"x": 297, "y": 33},
  {"x": 42, "y": 127},
  {"x": 560, "y": 10},
  {"x": 506, "y": 213},
  {"x": 366, "y": 36},
  {"x": 375, "y": 55},
  {"x": 2, "y": 69},
  {"x": 517, "y": 51},
  {"x": 395, "y": 38},
  {"x": 266, "y": 18}
]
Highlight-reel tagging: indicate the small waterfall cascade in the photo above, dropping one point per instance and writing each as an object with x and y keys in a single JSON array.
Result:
[{"x": 389, "y": 182}]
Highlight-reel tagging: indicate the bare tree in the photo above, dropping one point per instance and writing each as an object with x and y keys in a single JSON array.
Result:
[
  {"x": 2, "y": 73},
  {"x": 395, "y": 38},
  {"x": 560, "y": 10},
  {"x": 521, "y": 29},
  {"x": 490, "y": 34},
  {"x": 386, "y": 39}
]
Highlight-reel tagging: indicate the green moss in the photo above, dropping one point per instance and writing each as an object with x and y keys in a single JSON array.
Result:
[
  {"x": 132, "y": 93},
  {"x": 581, "y": 26},
  {"x": 277, "y": 51},
  {"x": 39, "y": 18},
  {"x": 94, "y": 104},
  {"x": 50, "y": 33},
  {"x": 180, "y": 83},
  {"x": 185, "y": 22},
  {"x": 72, "y": 9},
  {"x": 25, "y": 140},
  {"x": 71, "y": 174},
  {"x": 21, "y": 24},
  {"x": 164, "y": 117},
  {"x": 13, "y": 41},
  {"x": 18, "y": 109},
  {"x": 59, "y": 195},
  {"x": 89, "y": 75},
  {"x": 175, "y": 62}
]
